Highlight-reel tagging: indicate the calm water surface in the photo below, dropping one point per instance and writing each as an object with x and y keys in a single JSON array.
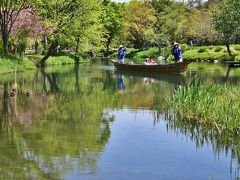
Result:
[{"x": 90, "y": 122}]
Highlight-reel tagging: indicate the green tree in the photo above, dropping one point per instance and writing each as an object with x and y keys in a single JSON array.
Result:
[
  {"x": 86, "y": 28},
  {"x": 112, "y": 19},
  {"x": 139, "y": 22},
  {"x": 170, "y": 16},
  {"x": 226, "y": 20},
  {"x": 60, "y": 15}
]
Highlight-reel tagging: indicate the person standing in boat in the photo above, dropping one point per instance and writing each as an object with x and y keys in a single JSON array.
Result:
[
  {"x": 121, "y": 54},
  {"x": 177, "y": 52}
]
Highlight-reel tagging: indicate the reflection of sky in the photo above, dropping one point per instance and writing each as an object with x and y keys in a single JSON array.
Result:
[{"x": 139, "y": 150}]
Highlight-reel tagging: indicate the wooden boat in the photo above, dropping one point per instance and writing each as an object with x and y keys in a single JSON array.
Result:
[{"x": 174, "y": 68}]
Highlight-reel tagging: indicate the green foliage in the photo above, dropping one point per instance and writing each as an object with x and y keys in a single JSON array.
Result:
[
  {"x": 113, "y": 15},
  {"x": 139, "y": 23},
  {"x": 60, "y": 60},
  {"x": 151, "y": 52},
  {"x": 237, "y": 47},
  {"x": 214, "y": 105},
  {"x": 218, "y": 49},
  {"x": 237, "y": 58},
  {"x": 194, "y": 55},
  {"x": 225, "y": 20},
  {"x": 11, "y": 63},
  {"x": 35, "y": 58},
  {"x": 185, "y": 47},
  {"x": 202, "y": 49}
]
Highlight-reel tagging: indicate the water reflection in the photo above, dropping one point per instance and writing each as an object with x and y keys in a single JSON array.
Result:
[
  {"x": 65, "y": 125},
  {"x": 48, "y": 134},
  {"x": 121, "y": 85},
  {"x": 214, "y": 73}
]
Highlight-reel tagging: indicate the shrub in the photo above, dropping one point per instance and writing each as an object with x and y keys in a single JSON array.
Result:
[
  {"x": 218, "y": 49},
  {"x": 60, "y": 60},
  {"x": 151, "y": 52},
  {"x": 237, "y": 47},
  {"x": 185, "y": 47},
  {"x": 12, "y": 63},
  {"x": 201, "y": 50}
]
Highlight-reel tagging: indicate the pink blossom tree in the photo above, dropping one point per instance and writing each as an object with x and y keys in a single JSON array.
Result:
[{"x": 9, "y": 12}]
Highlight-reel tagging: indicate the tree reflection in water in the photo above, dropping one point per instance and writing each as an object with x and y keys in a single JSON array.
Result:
[{"x": 53, "y": 131}]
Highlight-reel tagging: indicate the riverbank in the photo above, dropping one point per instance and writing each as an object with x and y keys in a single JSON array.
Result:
[
  {"x": 190, "y": 53},
  {"x": 215, "y": 106},
  {"x": 59, "y": 59},
  {"x": 12, "y": 63}
]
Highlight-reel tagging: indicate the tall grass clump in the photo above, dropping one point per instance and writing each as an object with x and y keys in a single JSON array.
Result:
[
  {"x": 60, "y": 60},
  {"x": 216, "y": 106}
]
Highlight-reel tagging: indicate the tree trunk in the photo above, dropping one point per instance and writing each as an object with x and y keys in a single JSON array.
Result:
[
  {"x": 51, "y": 49},
  {"x": 77, "y": 45},
  {"x": 44, "y": 44},
  {"x": 228, "y": 47},
  {"x": 36, "y": 46},
  {"x": 5, "y": 43},
  {"x": 159, "y": 48}
]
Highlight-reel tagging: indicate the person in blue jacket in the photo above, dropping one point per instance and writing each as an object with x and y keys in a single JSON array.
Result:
[
  {"x": 177, "y": 52},
  {"x": 121, "y": 54}
]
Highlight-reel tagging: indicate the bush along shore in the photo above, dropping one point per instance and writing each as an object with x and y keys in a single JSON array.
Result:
[
  {"x": 12, "y": 63},
  {"x": 215, "y": 106},
  {"x": 59, "y": 59},
  {"x": 190, "y": 53}
]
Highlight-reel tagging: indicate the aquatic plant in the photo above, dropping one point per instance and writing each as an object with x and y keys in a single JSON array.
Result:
[{"x": 216, "y": 106}]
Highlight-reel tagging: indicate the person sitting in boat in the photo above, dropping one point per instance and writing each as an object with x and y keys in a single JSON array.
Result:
[
  {"x": 130, "y": 63},
  {"x": 177, "y": 52},
  {"x": 121, "y": 54},
  {"x": 146, "y": 61},
  {"x": 151, "y": 62}
]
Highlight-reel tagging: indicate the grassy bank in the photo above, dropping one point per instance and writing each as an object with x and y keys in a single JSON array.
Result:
[
  {"x": 190, "y": 53},
  {"x": 214, "y": 106},
  {"x": 12, "y": 63},
  {"x": 59, "y": 59}
]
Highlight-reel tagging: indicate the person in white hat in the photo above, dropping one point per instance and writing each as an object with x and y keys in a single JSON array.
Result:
[
  {"x": 177, "y": 52},
  {"x": 121, "y": 54}
]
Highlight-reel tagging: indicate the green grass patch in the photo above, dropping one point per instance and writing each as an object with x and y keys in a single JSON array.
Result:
[
  {"x": 194, "y": 55},
  {"x": 216, "y": 106},
  {"x": 60, "y": 60},
  {"x": 35, "y": 58},
  {"x": 12, "y": 63}
]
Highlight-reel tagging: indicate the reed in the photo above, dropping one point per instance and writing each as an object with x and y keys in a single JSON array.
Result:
[{"x": 211, "y": 105}]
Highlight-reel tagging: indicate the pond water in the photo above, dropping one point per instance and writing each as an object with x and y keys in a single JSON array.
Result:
[{"x": 90, "y": 122}]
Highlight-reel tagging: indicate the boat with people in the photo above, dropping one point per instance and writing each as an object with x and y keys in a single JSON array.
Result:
[{"x": 172, "y": 68}]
